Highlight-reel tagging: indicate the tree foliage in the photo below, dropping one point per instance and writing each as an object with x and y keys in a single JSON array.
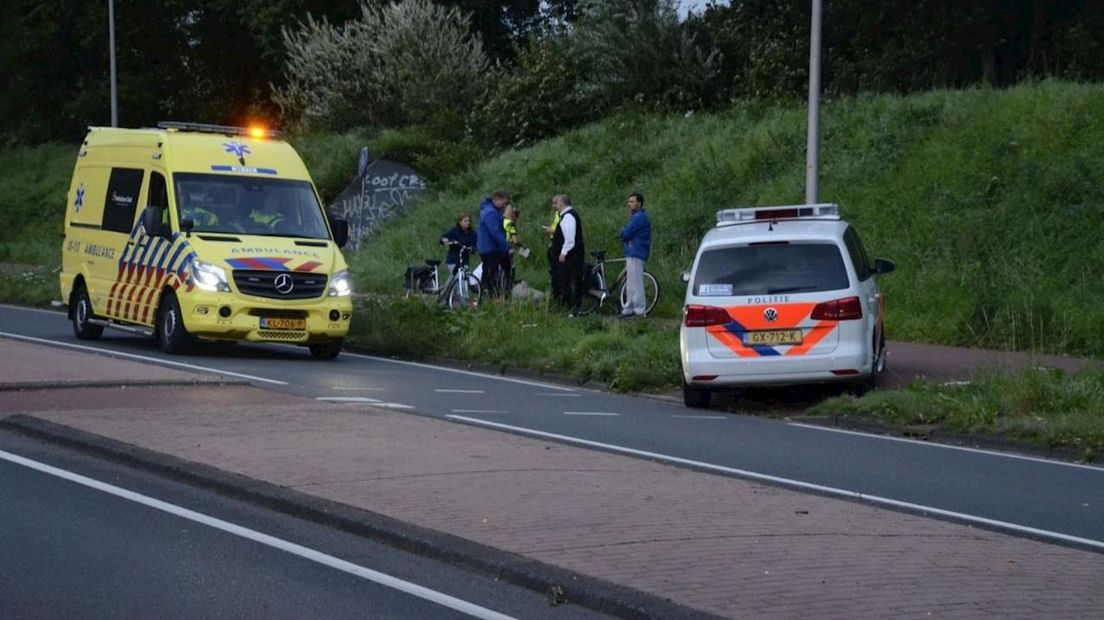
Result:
[{"x": 412, "y": 62}]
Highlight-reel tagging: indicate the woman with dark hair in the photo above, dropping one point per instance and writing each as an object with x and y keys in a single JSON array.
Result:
[{"x": 460, "y": 235}]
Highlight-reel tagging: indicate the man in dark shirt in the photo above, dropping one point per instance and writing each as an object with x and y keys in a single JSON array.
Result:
[{"x": 566, "y": 255}]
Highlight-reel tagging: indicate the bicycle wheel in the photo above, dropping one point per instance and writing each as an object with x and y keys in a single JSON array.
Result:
[
  {"x": 475, "y": 292},
  {"x": 593, "y": 294},
  {"x": 464, "y": 293},
  {"x": 651, "y": 293}
]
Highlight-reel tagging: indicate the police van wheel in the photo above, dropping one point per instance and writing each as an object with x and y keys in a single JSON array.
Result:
[
  {"x": 172, "y": 336},
  {"x": 82, "y": 313},
  {"x": 695, "y": 397},
  {"x": 327, "y": 351}
]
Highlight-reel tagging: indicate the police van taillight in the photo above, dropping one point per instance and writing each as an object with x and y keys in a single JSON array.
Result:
[
  {"x": 704, "y": 316},
  {"x": 846, "y": 309}
]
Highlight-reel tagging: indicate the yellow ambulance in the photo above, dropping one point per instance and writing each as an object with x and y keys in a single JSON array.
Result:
[{"x": 191, "y": 231}]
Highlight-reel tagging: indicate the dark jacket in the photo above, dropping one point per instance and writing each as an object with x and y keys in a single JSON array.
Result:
[
  {"x": 577, "y": 253},
  {"x": 457, "y": 235},
  {"x": 637, "y": 236},
  {"x": 491, "y": 238}
]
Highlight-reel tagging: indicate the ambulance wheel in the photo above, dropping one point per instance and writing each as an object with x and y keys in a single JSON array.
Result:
[
  {"x": 695, "y": 397},
  {"x": 83, "y": 329},
  {"x": 172, "y": 336},
  {"x": 327, "y": 351}
]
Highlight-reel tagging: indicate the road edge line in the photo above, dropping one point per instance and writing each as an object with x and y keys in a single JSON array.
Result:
[{"x": 577, "y": 588}]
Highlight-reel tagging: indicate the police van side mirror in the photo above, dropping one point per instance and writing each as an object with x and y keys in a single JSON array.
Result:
[
  {"x": 883, "y": 265},
  {"x": 151, "y": 221},
  {"x": 340, "y": 231}
]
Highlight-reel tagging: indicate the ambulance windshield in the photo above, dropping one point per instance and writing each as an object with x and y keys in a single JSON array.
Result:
[{"x": 249, "y": 206}]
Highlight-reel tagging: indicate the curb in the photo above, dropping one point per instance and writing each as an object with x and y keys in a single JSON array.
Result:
[
  {"x": 936, "y": 435},
  {"x": 561, "y": 585}
]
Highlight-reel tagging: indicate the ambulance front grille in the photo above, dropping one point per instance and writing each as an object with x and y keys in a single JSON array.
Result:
[{"x": 263, "y": 284}]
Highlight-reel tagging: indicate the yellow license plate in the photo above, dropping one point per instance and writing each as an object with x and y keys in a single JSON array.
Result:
[
  {"x": 770, "y": 338},
  {"x": 270, "y": 323}
]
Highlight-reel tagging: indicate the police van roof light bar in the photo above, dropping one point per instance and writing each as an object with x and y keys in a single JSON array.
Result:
[
  {"x": 825, "y": 211},
  {"x": 225, "y": 130}
]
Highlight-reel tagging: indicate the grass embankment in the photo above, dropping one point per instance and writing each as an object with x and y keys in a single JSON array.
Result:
[
  {"x": 1043, "y": 406},
  {"x": 987, "y": 200}
]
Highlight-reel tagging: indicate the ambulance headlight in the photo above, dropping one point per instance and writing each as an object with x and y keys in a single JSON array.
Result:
[
  {"x": 208, "y": 277},
  {"x": 341, "y": 284}
]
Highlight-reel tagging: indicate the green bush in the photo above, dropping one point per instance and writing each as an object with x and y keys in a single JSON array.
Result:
[
  {"x": 402, "y": 63},
  {"x": 535, "y": 97}
]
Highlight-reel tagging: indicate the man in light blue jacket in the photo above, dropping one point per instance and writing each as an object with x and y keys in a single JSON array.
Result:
[
  {"x": 637, "y": 240},
  {"x": 491, "y": 241}
]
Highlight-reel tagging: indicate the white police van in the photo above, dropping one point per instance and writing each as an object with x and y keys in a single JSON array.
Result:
[{"x": 780, "y": 296}]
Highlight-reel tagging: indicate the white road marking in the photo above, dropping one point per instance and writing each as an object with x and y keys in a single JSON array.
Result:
[
  {"x": 931, "y": 444},
  {"x": 807, "y": 486},
  {"x": 478, "y": 411},
  {"x": 368, "y": 574},
  {"x": 145, "y": 358},
  {"x": 348, "y": 399},
  {"x": 700, "y": 417},
  {"x": 597, "y": 413},
  {"x": 470, "y": 373},
  {"x": 392, "y": 405},
  {"x": 558, "y": 394},
  {"x": 447, "y": 391}
]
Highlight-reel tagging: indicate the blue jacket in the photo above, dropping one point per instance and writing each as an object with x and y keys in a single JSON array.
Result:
[
  {"x": 491, "y": 236},
  {"x": 637, "y": 236}
]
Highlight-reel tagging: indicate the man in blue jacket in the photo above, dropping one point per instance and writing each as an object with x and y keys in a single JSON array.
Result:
[
  {"x": 637, "y": 240},
  {"x": 491, "y": 240}
]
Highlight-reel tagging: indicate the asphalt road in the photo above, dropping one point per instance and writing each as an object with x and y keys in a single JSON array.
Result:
[
  {"x": 73, "y": 551},
  {"x": 1037, "y": 497}
]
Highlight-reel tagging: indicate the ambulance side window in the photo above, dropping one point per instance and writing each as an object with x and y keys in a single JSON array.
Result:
[
  {"x": 858, "y": 254},
  {"x": 158, "y": 194},
  {"x": 122, "y": 199}
]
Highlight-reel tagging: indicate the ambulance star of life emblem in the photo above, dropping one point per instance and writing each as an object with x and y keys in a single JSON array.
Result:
[
  {"x": 79, "y": 202},
  {"x": 770, "y": 314},
  {"x": 237, "y": 148}
]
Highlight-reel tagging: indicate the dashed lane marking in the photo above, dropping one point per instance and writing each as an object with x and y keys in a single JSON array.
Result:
[
  {"x": 448, "y": 391},
  {"x": 700, "y": 417},
  {"x": 349, "y": 399},
  {"x": 593, "y": 413},
  {"x": 470, "y": 373}
]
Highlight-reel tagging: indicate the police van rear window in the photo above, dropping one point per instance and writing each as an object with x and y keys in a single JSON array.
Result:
[{"x": 770, "y": 269}]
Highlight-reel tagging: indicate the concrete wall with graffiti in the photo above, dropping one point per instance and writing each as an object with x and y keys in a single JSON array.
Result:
[{"x": 382, "y": 190}]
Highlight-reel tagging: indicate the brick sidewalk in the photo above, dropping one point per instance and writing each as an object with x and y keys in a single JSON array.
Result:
[{"x": 713, "y": 543}]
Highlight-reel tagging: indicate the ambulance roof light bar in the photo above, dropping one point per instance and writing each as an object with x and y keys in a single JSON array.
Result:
[
  {"x": 825, "y": 211},
  {"x": 225, "y": 130}
]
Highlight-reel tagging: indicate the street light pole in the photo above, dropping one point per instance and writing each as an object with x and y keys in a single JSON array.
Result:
[
  {"x": 812, "y": 163},
  {"x": 114, "y": 88}
]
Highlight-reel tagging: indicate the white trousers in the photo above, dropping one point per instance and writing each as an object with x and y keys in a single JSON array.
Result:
[{"x": 634, "y": 285}]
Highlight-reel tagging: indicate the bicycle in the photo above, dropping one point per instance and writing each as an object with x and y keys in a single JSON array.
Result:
[
  {"x": 596, "y": 293},
  {"x": 462, "y": 288}
]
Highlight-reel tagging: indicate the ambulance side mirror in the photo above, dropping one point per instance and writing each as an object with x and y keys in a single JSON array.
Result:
[
  {"x": 686, "y": 277},
  {"x": 340, "y": 231},
  {"x": 152, "y": 222}
]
